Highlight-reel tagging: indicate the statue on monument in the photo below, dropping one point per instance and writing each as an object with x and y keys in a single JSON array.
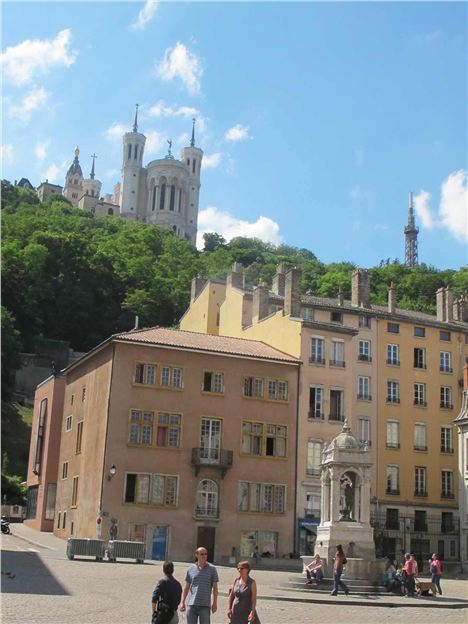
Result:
[{"x": 347, "y": 499}]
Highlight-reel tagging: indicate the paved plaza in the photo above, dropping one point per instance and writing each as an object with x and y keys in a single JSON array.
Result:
[{"x": 39, "y": 584}]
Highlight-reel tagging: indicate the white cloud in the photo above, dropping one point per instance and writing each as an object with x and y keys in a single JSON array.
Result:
[
  {"x": 41, "y": 150},
  {"x": 32, "y": 101},
  {"x": 161, "y": 110},
  {"x": 237, "y": 133},
  {"x": 32, "y": 57},
  {"x": 452, "y": 211},
  {"x": 179, "y": 62},
  {"x": 115, "y": 132},
  {"x": 213, "y": 220},
  {"x": 6, "y": 154},
  {"x": 145, "y": 15},
  {"x": 211, "y": 161},
  {"x": 111, "y": 173},
  {"x": 55, "y": 173},
  {"x": 154, "y": 142}
]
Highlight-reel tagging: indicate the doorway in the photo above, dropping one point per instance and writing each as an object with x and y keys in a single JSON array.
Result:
[
  {"x": 159, "y": 546},
  {"x": 206, "y": 538}
]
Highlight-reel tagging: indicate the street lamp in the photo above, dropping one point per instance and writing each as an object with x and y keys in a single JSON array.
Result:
[{"x": 112, "y": 471}]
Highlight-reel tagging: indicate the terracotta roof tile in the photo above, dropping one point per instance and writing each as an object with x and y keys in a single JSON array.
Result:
[{"x": 206, "y": 342}]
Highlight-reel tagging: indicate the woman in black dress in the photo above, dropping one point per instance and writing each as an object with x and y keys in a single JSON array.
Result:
[{"x": 243, "y": 597}]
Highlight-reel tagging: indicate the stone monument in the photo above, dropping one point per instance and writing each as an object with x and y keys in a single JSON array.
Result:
[{"x": 345, "y": 506}]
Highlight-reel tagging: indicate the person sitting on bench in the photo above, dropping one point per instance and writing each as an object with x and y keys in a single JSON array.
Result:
[{"x": 314, "y": 571}]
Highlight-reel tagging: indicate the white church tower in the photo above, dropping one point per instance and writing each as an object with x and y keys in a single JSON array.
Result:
[
  {"x": 192, "y": 157},
  {"x": 132, "y": 166},
  {"x": 73, "y": 189}
]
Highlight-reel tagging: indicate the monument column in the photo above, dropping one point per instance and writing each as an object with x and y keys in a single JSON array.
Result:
[
  {"x": 324, "y": 495},
  {"x": 365, "y": 499},
  {"x": 334, "y": 497}
]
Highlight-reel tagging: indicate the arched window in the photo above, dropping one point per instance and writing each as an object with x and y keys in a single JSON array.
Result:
[
  {"x": 162, "y": 193},
  {"x": 207, "y": 499},
  {"x": 135, "y": 152},
  {"x": 194, "y": 164},
  {"x": 153, "y": 201},
  {"x": 174, "y": 228},
  {"x": 129, "y": 151},
  {"x": 172, "y": 198},
  {"x": 110, "y": 211},
  {"x": 180, "y": 200}
]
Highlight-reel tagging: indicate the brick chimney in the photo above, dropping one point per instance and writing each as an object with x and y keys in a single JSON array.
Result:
[
  {"x": 292, "y": 293},
  {"x": 444, "y": 304},
  {"x": 197, "y": 286},
  {"x": 236, "y": 276},
  {"x": 340, "y": 297},
  {"x": 392, "y": 298},
  {"x": 460, "y": 309},
  {"x": 360, "y": 288},
  {"x": 261, "y": 302},
  {"x": 279, "y": 280}
]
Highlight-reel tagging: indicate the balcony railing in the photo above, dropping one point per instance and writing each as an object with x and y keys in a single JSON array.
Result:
[
  {"x": 445, "y": 494},
  {"x": 393, "y": 362},
  {"x": 364, "y": 397},
  {"x": 218, "y": 458},
  {"x": 393, "y": 399},
  {"x": 420, "y": 365},
  {"x": 316, "y": 360},
  {"x": 446, "y": 405},
  {"x": 420, "y": 403},
  {"x": 420, "y": 527},
  {"x": 338, "y": 363},
  {"x": 420, "y": 447},
  {"x": 207, "y": 512},
  {"x": 311, "y": 513},
  {"x": 315, "y": 415},
  {"x": 362, "y": 357},
  {"x": 336, "y": 417},
  {"x": 392, "y": 492},
  {"x": 446, "y": 449},
  {"x": 313, "y": 471},
  {"x": 446, "y": 369},
  {"x": 393, "y": 445},
  {"x": 420, "y": 493}
]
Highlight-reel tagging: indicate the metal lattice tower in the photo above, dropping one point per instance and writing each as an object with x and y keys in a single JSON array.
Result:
[{"x": 411, "y": 237}]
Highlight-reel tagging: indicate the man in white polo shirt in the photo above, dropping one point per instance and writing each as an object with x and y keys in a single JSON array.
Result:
[{"x": 201, "y": 579}]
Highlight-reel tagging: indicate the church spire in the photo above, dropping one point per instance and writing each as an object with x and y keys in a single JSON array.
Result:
[
  {"x": 411, "y": 237},
  {"x": 135, "y": 123},
  {"x": 92, "y": 174},
  {"x": 192, "y": 141}
]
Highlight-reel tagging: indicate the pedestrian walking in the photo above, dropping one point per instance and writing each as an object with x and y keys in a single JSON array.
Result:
[
  {"x": 435, "y": 568},
  {"x": 410, "y": 569},
  {"x": 200, "y": 581},
  {"x": 338, "y": 564},
  {"x": 166, "y": 597},
  {"x": 242, "y": 601}
]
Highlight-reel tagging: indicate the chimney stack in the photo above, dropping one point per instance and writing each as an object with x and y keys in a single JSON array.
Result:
[
  {"x": 236, "y": 276},
  {"x": 279, "y": 280},
  {"x": 460, "y": 309},
  {"x": 391, "y": 298},
  {"x": 444, "y": 304},
  {"x": 292, "y": 293},
  {"x": 197, "y": 286},
  {"x": 360, "y": 288},
  {"x": 340, "y": 297},
  {"x": 261, "y": 302}
]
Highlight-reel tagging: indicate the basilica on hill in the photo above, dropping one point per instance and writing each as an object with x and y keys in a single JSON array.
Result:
[{"x": 164, "y": 192}]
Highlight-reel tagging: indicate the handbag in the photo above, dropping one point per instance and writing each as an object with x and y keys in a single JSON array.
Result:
[{"x": 163, "y": 615}]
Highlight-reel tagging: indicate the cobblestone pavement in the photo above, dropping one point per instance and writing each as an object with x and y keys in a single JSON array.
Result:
[{"x": 40, "y": 585}]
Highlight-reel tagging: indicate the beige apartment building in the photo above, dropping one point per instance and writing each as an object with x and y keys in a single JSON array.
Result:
[
  {"x": 180, "y": 439},
  {"x": 376, "y": 366}
]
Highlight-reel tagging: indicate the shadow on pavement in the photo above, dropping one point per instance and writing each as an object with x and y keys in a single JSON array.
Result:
[{"x": 24, "y": 573}]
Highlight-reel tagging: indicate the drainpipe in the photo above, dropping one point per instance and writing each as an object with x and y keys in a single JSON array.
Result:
[
  {"x": 296, "y": 545},
  {"x": 107, "y": 428}
]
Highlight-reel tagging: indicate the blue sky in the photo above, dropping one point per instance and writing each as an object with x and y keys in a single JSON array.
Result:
[{"x": 316, "y": 119}]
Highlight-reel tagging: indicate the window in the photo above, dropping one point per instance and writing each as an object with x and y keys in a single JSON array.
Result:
[
  {"x": 445, "y": 335},
  {"x": 420, "y": 520},
  {"x": 172, "y": 198},
  {"x": 68, "y": 424},
  {"x": 393, "y": 480},
  {"x": 393, "y": 354},
  {"x": 129, "y": 151},
  {"x": 171, "y": 377},
  {"x": 336, "y": 404},
  {"x": 307, "y": 314},
  {"x": 364, "y": 321},
  {"x": 420, "y": 481},
  {"x": 64, "y": 521},
  {"x": 41, "y": 423},
  {"x": 277, "y": 390},
  {"x": 453, "y": 549},
  {"x": 392, "y": 521},
  {"x": 364, "y": 431},
  {"x": 253, "y": 387},
  {"x": 50, "y": 501},
  {"x": 336, "y": 317},
  {"x": 74, "y": 498},
  {"x": 445, "y": 362},
  {"x": 264, "y": 541},
  {"x": 64, "y": 470},
  {"x": 262, "y": 497},
  {"x": 446, "y": 397},
  {"x": 364, "y": 351},
  {"x": 317, "y": 352},
  {"x": 419, "y": 360},
  {"x": 137, "y": 532},
  {"x": 59, "y": 519},
  {"x": 79, "y": 436},
  {"x": 135, "y": 152},
  {"x": 213, "y": 382},
  {"x": 393, "y": 391},
  {"x": 207, "y": 499},
  {"x": 145, "y": 374},
  {"x": 447, "y": 523},
  {"x": 72, "y": 399},
  {"x": 337, "y": 353},
  {"x": 149, "y": 429},
  {"x": 83, "y": 395},
  {"x": 314, "y": 457},
  {"x": 162, "y": 196},
  {"x": 420, "y": 394},
  {"x": 420, "y": 332},
  {"x": 393, "y": 434},
  {"x": 420, "y": 437},
  {"x": 264, "y": 439},
  {"x": 447, "y": 484},
  {"x": 364, "y": 389},
  {"x": 393, "y": 328},
  {"x": 312, "y": 509},
  {"x": 151, "y": 489},
  {"x": 446, "y": 440},
  {"x": 316, "y": 402}
]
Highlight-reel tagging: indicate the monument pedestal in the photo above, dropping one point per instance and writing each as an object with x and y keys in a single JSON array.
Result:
[{"x": 356, "y": 538}]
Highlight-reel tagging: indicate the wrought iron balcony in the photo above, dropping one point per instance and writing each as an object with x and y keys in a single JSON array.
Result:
[
  {"x": 420, "y": 365},
  {"x": 336, "y": 417},
  {"x": 446, "y": 405},
  {"x": 446, "y": 494},
  {"x": 393, "y": 362},
  {"x": 392, "y": 492},
  {"x": 393, "y": 445},
  {"x": 446, "y": 369},
  {"x": 420, "y": 447},
  {"x": 315, "y": 415},
  {"x": 420, "y": 403},
  {"x": 420, "y": 493},
  {"x": 393, "y": 399},
  {"x": 338, "y": 363},
  {"x": 207, "y": 512},
  {"x": 316, "y": 360},
  {"x": 446, "y": 449},
  {"x": 216, "y": 458},
  {"x": 364, "y": 397},
  {"x": 362, "y": 357}
]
